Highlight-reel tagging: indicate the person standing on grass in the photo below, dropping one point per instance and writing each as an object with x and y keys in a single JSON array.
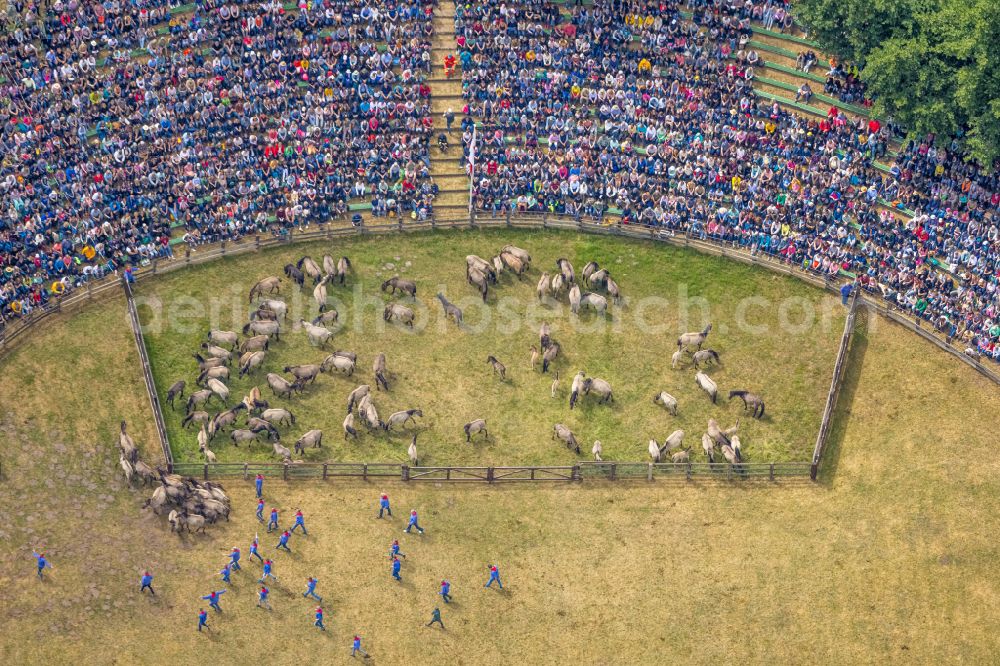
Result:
[
  {"x": 42, "y": 562},
  {"x": 311, "y": 589},
  {"x": 283, "y": 541},
  {"x": 273, "y": 524},
  {"x": 254, "y": 545},
  {"x": 299, "y": 522},
  {"x": 260, "y": 510},
  {"x": 413, "y": 523},
  {"x": 262, "y": 598},
  {"x": 202, "y": 618},
  {"x": 396, "y": 566},
  {"x": 234, "y": 557},
  {"x": 394, "y": 549},
  {"x": 356, "y": 647},
  {"x": 254, "y": 549},
  {"x": 146, "y": 581},
  {"x": 845, "y": 292},
  {"x": 213, "y": 599},
  {"x": 494, "y": 576},
  {"x": 225, "y": 573},
  {"x": 267, "y": 573},
  {"x": 319, "y": 618},
  {"x": 435, "y": 617},
  {"x": 383, "y": 506},
  {"x": 446, "y": 591},
  {"x": 258, "y": 484}
]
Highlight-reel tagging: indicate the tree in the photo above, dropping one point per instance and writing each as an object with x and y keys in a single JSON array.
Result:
[
  {"x": 932, "y": 65},
  {"x": 853, "y": 28}
]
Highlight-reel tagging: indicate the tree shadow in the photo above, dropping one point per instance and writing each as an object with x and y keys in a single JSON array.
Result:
[{"x": 830, "y": 462}]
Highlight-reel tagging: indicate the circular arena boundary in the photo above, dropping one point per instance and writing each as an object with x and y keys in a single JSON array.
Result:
[
  {"x": 93, "y": 289},
  {"x": 611, "y": 471}
]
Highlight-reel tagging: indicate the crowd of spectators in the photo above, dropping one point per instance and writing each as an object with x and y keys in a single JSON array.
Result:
[
  {"x": 644, "y": 110},
  {"x": 229, "y": 117},
  {"x": 238, "y": 117}
]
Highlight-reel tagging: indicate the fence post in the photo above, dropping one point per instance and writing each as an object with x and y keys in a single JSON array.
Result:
[
  {"x": 246, "y": 471},
  {"x": 649, "y": 471},
  {"x": 689, "y": 470},
  {"x": 205, "y": 472},
  {"x": 577, "y": 474},
  {"x": 614, "y": 471},
  {"x": 364, "y": 471},
  {"x": 324, "y": 471},
  {"x": 489, "y": 470},
  {"x": 772, "y": 471},
  {"x": 284, "y": 474},
  {"x": 729, "y": 471},
  {"x": 405, "y": 469}
]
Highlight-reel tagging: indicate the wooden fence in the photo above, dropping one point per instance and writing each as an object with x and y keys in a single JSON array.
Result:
[
  {"x": 16, "y": 329},
  {"x": 611, "y": 471},
  {"x": 834, "y": 392},
  {"x": 147, "y": 374},
  {"x": 581, "y": 471}
]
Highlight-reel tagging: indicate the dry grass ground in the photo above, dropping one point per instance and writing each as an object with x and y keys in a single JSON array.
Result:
[
  {"x": 443, "y": 371},
  {"x": 890, "y": 559}
]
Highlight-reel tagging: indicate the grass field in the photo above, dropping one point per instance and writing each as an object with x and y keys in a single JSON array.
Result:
[
  {"x": 891, "y": 558},
  {"x": 777, "y": 336}
]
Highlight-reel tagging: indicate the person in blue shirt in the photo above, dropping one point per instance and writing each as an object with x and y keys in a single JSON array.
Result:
[
  {"x": 253, "y": 550},
  {"x": 42, "y": 562},
  {"x": 225, "y": 573},
  {"x": 262, "y": 598},
  {"x": 311, "y": 589},
  {"x": 299, "y": 522},
  {"x": 283, "y": 541},
  {"x": 436, "y": 617},
  {"x": 356, "y": 647},
  {"x": 319, "y": 618},
  {"x": 845, "y": 292},
  {"x": 394, "y": 549},
  {"x": 383, "y": 506},
  {"x": 494, "y": 576},
  {"x": 202, "y": 619},
  {"x": 267, "y": 572},
  {"x": 413, "y": 523},
  {"x": 396, "y": 566},
  {"x": 235, "y": 559},
  {"x": 273, "y": 524},
  {"x": 213, "y": 599},
  {"x": 446, "y": 591},
  {"x": 146, "y": 581},
  {"x": 258, "y": 484},
  {"x": 260, "y": 510}
]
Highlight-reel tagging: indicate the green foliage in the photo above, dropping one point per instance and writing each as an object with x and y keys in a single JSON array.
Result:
[{"x": 932, "y": 65}]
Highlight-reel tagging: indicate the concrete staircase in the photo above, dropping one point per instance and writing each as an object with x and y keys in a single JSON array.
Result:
[{"x": 452, "y": 201}]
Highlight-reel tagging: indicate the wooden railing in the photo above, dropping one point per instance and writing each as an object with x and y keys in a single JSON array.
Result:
[
  {"x": 191, "y": 257},
  {"x": 204, "y": 254},
  {"x": 581, "y": 471},
  {"x": 834, "y": 392},
  {"x": 147, "y": 375}
]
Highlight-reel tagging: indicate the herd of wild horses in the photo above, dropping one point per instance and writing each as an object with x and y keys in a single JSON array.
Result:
[{"x": 254, "y": 418}]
